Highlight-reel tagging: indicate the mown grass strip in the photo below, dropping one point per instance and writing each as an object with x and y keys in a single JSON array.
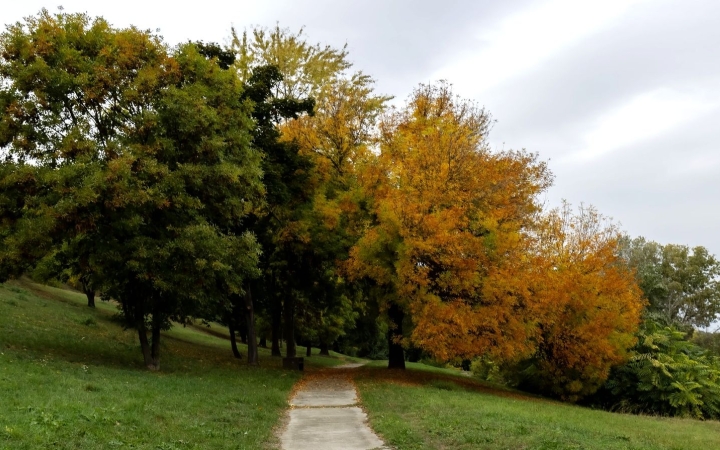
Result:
[{"x": 418, "y": 410}]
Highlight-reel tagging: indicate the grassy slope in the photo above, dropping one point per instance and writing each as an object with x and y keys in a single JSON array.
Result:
[
  {"x": 70, "y": 377},
  {"x": 436, "y": 409}
]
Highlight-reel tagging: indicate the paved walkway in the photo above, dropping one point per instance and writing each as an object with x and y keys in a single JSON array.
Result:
[{"x": 324, "y": 416}]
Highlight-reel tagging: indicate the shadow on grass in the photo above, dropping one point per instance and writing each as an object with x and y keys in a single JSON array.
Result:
[
  {"x": 411, "y": 377},
  {"x": 56, "y": 323},
  {"x": 70, "y": 330}
]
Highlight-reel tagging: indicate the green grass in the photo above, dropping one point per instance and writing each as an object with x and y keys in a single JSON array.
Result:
[
  {"x": 72, "y": 378},
  {"x": 315, "y": 361},
  {"x": 421, "y": 368},
  {"x": 435, "y": 410}
]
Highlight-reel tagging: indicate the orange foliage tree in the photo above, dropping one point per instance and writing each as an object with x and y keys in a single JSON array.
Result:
[
  {"x": 587, "y": 302},
  {"x": 446, "y": 241}
]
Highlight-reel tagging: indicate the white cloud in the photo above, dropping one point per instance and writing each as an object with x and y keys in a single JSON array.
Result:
[
  {"x": 526, "y": 39},
  {"x": 644, "y": 117},
  {"x": 697, "y": 165}
]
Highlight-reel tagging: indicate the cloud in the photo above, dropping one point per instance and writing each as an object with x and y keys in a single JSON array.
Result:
[
  {"x": 621, "y": 96},
  {"x": 643, "y": 117},
  {"x": 525, "y": 39}
]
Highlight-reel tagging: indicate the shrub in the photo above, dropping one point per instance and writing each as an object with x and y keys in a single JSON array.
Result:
[
  {"x": 666, "y": 375},
  {"x": 488, "y": 370}
]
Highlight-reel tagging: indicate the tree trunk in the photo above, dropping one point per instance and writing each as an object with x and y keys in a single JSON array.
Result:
[
  {"x": 276, "y": 323},
  {"x": 233, "y": 339},
  {"x": 155, "y": 325},
  {"x": 396, "y": 356},
  {"x": 263, "y": 342},
  {"x": 155, "y": 345},
  {"x": 150, "y": 350},
  {"x": 91, "y": 298},
  {"x": 89, "y": 293},
  {"x": 251, "y": 336},
  {"x": 242, "y": 325},
  {"x": 324, "y": 348},
  {"x": 308, "y": 350},
  {"x": 145, "y": 345},
  {"x": 289, "y": 319},
  {"x": 138, "y": 320}
]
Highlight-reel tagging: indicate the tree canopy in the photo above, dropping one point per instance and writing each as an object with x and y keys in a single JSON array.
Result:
[
  {"x": 141, "y": 152},
  {"x": 268, "y": 181},
  {"x": 682, "y": 284}
]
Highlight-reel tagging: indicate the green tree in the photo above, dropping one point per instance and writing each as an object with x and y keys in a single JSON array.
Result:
[
  {"x": 308, "y": 235},
  {"x": 682, "y": 285},
  {"x": 110, "y": 136},
  {"x": 710, "y": 341},
  {"x": 73, "y": 263},
  {"x": 285, "y": 176}
]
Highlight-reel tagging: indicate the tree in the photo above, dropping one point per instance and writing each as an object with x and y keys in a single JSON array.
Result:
[
  {"x": 587, "y": 304},
  {"x": 147, "y": 151},
  {"x": 306, "y": 232},
  {"x": 285, "y": 172},
  {"x": 306, "y": 68},
  {"x": 682, "y": 285},
  {"x": 338, "y": 136},
  {"x": 73, "y": 263},
  {"x": 445, "y": 244},
  {"x": 337, "y": 139}
]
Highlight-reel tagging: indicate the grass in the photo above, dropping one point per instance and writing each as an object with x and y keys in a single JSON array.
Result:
[
  {"x": 315, "y": 361},
  {"x": 420, "y": 368},
  {"x": 432, "y": 409},
  {"x": 72, "y": 378}
]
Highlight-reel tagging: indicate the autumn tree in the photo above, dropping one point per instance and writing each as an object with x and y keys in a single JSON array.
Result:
[
  {"x": 445, "y": 245},
  {"x": 587, "y": 303},
  {"x": 110, "y": 136},
  {"x": 337, "y": 138}
]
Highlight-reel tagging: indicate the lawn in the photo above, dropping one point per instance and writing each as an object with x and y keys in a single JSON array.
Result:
[
  {"x": 72, "y": 378},
  {"x": 423, "y": 409}
]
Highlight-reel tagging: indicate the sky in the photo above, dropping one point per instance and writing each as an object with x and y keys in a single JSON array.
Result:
[{"x": 621, "y": 97}]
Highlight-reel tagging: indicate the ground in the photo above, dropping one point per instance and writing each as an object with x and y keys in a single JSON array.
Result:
[
  {"x": 426, "y": 409},
  {"x": 72, "y": 378}
]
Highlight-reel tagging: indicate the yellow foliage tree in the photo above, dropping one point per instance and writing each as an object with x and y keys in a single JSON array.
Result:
[
  {"x": 587, "y": 302},
  {"x": 447, "y": 240}
]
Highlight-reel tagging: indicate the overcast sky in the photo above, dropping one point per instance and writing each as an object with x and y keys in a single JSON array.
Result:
[{"x": 621, "y": 96}]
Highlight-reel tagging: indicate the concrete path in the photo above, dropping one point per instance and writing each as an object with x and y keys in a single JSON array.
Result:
[{"x": 324, "y": 415}]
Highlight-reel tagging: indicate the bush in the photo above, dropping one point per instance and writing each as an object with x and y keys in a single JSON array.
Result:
[
  {"x": 666, "y": 375},
  {"x": 488, "y": 370}
]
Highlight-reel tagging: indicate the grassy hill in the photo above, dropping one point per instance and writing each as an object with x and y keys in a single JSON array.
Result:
[
  {"x": 72, "y": 378},
  {"x": 429, "y": 408}
]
